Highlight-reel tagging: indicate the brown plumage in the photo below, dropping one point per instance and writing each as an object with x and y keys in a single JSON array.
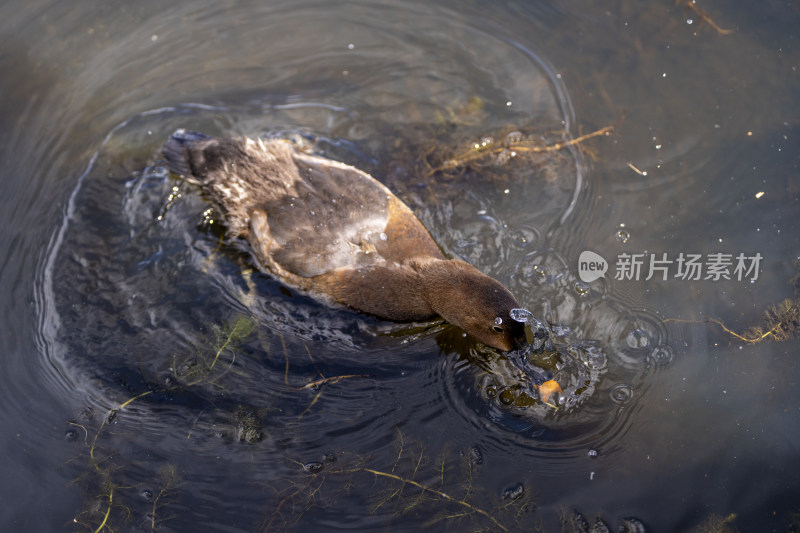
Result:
[{"x": 335, "y": 231}]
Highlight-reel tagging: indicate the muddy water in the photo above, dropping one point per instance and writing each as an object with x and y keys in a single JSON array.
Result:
[{"x": 154, "y": 379}]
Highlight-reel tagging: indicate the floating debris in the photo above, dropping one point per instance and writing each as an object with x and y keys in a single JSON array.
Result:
[{"x": 484, "y": 153}]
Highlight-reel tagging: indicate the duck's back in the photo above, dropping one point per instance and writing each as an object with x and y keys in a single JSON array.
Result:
[{"x": 304, "y": 215}]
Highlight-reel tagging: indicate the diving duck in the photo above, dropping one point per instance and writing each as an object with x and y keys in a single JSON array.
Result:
[{"x": 338, "y": 233}]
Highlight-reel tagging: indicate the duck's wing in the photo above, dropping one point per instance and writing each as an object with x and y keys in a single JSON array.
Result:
[
  {"x": 304, "y": 215},
  {"x": 337, "y": 217}
]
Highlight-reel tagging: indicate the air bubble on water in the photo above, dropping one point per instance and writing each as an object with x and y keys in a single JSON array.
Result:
[
  {"x": 506, "y": 397},
  {"x": 662, "y": 355},
  {"x": 631, "y": 525},
  {"x": 313, "y": 467},
  {"x": 514, "y": 493},
  {"x": 513, "y": 137},
  {"x": 582, "y": 288},
  {"x": 521, "y": 237},
  {"x": 503, "y": 157},
  {"x": 621, "y": 394},
  {"x": 383, "y": 236},
  {"x": 592, "y": 453},
  {"x": 475, "y": 456},
  {"x": 623, "y": 235},
  {"x": 637, "y": 338}
]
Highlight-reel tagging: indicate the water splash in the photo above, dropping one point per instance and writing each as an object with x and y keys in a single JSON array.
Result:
[
  {"x": 521, "y": 315},
  {"x": 590, "y": 355}
]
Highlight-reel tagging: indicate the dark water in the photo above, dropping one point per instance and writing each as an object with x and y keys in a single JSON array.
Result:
[{"x": 153, "y": 380}]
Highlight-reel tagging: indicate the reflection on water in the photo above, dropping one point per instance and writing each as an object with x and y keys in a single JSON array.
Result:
[{"x": 193, "y": 389}]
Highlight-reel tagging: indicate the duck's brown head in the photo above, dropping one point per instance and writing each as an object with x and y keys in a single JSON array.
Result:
[{"x": 473, "y": 301}]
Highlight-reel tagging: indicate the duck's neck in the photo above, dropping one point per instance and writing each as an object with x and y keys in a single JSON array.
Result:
[
  {"x": 392, "y": 291},
  {"x": 444, "y": 283},
  {"x": 417, "y": 289}
]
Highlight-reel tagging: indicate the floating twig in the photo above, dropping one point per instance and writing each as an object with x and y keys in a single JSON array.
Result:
[
  {"x": 333, "y": 379},
  {"x": 513, "y": 148}
]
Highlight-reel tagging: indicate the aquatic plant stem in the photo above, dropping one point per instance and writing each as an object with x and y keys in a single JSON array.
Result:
[
  {"x": 222, "y": 348},
  {"x": 103, "y": 424},
  {"x": 108, "y": 511},
  {"x": 441, "y": 494}
]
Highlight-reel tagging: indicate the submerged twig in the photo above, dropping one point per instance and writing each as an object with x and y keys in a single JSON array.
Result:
[
  {"x": 748, "y": 339},
  {"x": 782, "y": 321},
  {"x": 316, "y": 383},
  {"x": 703, "y": 16},
  {"x": 333, "y": 379},
  {"x": 310, "y": 358}
]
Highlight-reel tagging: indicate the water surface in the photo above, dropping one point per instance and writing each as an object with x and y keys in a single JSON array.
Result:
[{"x": 154, "y": 379}]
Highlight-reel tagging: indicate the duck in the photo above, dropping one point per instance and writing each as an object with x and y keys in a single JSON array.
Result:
[{"x": 337, "y": 233}]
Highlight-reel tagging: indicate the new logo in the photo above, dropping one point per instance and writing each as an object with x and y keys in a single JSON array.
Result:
[{"x": 591, "y": 266}]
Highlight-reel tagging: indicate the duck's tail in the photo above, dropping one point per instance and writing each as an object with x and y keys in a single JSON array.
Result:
[{"x": 176, "y": 150}]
